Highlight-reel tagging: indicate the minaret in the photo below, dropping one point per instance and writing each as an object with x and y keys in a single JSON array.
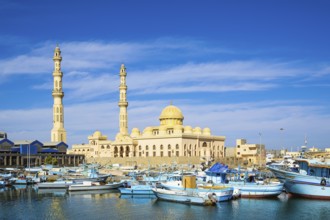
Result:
[
  {"x": 123, "y": 128},
  {"x": 58, "y": 132}
]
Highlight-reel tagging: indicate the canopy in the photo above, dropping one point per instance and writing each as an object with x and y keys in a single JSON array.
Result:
[{"x": 219, "y": 168}]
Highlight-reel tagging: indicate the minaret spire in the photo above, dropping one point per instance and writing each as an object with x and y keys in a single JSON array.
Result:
[
  {"x": 58, "y": 132},
  {"x": 123, "y": 127}
]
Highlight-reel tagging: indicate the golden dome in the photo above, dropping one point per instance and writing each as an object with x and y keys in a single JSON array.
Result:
[
  {"x": 171, "y": 112},
  {"x": 97, "y": 134}
]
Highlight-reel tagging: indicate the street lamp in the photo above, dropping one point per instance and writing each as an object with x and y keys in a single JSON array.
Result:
[
  {"x": 259, "y": 149},
  {"x": 281, "y": 131}
]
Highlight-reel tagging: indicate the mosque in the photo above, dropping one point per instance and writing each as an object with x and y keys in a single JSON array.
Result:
[{"x": 168, "y": 142}]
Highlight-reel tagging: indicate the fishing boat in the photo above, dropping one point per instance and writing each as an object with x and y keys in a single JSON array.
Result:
[
  {"x": 246, "y": 184},
  {"x": 256, "y": 190},
  {"x": 138, "y": 189},
  {"x": 184, "y": 196},
  {"x": 188, "y": 183},
  {"x": 21, "y": 181},
  {"x": 311, "y": 180},
  {"x": 89, "y": 185},
  {"x": 59, "y": 184}
]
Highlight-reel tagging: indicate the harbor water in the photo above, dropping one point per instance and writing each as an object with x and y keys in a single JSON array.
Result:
[{"x": 29, "y": 203}]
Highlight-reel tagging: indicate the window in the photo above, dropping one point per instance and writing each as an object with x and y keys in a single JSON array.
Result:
[
  {"x": 177, "y": 146},
  {"x": 154, "y": 154},
  {"x": 147, "y": 147},
  {"x": 154, "y": 147},
  {"x": 161, "y": 147},
  {"x": 170, "y": 131}
]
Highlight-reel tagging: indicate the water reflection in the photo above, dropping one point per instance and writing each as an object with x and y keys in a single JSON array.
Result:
[{"x": 29, "y": 203}]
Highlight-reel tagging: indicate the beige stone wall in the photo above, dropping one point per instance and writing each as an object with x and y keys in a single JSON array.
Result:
[{"x": 142, "y": 162}]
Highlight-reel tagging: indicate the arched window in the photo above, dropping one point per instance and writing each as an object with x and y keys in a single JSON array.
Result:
[
  {"x": 204, "y": 144},
  {"x": 102, "y": 147},
  {"x": 127, "y": 151},
  {"x": 108, "y": 147},
  {"x": 121, "y": 153},
  {"x": 115, "y": 152}
]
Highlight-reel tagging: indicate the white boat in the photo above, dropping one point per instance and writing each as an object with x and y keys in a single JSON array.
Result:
[
  {"x": 184, "y": 196},
  {"x": 311, "y": 180},
  {"x": 245, "y": 183},
  {"x": 88, "y": 185},
  {"x": 21, "y": 181},
  {"x": 188, "y": 183},
  {"x": 136, "y": 190},
  {"x": 288, "y": 163},
  {"x": 255, "y": 190},
  {"x": 2, "y": 183},
  {"x": 59, "y": 184}
]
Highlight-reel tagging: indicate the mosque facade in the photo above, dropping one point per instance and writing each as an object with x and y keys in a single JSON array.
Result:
[{"x": 171, "y": 139}]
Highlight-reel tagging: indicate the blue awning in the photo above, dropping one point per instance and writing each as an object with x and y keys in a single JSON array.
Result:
[
  {"x": 218, "y": 168},
  {"x": 49, "y": 151}
]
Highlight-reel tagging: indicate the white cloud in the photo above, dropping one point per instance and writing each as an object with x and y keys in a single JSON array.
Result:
[
  {"x": 159, "y": 68},
  {"x": 241, "y": 120}
]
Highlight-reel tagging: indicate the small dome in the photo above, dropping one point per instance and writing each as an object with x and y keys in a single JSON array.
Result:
[
  {"x": 206, "y": 131},
  {"x": 147, "y": 130},
  {"x": 97, "y": 134},
  {"x": 187, "y": 129},
  {"x": 197, "y": 130},
  {"x": 135, "y": 132},
  {"x": 171, "y": 112}
]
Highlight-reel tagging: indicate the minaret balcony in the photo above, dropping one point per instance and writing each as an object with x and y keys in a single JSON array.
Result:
[
  {"x": 57, "y": 58},
  {"x": 57, "y": 93},
  {"x": 120, "y": 104},
  {"x": 57, "y": 73}
]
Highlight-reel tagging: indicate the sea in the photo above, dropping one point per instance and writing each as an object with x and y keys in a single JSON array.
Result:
[{"x": 27, "y": 202}]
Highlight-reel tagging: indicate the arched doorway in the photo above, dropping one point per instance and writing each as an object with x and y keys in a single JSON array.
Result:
[{"x": 127, "y": 151}]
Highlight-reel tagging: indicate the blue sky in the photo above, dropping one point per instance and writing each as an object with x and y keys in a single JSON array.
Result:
[{"x": 238, "y": 67}]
